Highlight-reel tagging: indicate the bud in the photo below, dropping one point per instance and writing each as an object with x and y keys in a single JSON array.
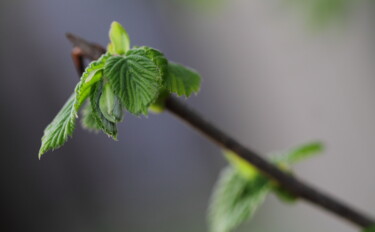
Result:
[{"x": 110, "y": 105}]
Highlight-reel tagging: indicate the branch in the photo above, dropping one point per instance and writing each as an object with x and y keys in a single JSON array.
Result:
[{"x": 291, "y": 183}]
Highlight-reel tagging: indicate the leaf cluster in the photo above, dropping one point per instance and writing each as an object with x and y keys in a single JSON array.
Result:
[
  {"x": 242, "y": 188},
  {"x": 135, "y": 80}
]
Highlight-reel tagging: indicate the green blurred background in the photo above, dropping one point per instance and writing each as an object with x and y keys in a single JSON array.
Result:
[{"x": 276, "y": 73}]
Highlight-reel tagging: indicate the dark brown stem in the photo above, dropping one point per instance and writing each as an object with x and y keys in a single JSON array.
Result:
[
  {"x": 78, "y": 60},
  {"x": 287, "y": 181},
  {"x": 291, "y": 183}
]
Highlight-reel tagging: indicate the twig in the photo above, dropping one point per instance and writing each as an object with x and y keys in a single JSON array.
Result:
[{"x": 291, "y": 183}]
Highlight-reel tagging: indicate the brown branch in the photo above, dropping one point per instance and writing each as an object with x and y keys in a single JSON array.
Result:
[
  {"x": 78, "y": 60},
  {"x": 291, "y": 183}
]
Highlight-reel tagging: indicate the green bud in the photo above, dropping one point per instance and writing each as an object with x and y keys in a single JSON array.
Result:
[{"x": 110, "y": 105}]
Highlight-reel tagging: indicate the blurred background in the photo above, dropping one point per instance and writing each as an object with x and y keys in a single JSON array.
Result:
[{"x": 276, "y": 74}]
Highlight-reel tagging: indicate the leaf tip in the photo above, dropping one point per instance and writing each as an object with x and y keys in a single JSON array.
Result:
[
  {"x": 115, "y": 24},
  {"x": 41, "y": 153},
  {"x": 119, "y": 38}
]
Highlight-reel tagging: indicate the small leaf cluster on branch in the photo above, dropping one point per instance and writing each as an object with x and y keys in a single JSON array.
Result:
[
  {"x": 242, "y": 188},
  {"x": 134, "y": 79}
]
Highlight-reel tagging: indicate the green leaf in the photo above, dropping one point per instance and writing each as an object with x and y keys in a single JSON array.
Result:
[
  {"x": 182, "y": 80},
  {"x": 60, "y": 129},
  {"x": 88, "y": 120},
  {"x": 156, "y": 56},
  {"x": 57, "y": 133},
  {"x": 107, "y": 126},
  {"x": 93, "y": 73},
  {"x": 369, "y": 229},
  {"x": 235, "y": 199},
  {"x": 249, "y": 171},
  {"x": 135, "y": 79},
  {"x": 110, "y": 105},
  {"x": 285, "y": 161},
  {"x": 119, "y": 39},
  {"x": 300, "y": 153}
]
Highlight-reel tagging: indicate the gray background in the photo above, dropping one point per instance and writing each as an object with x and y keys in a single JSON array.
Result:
[{"x": 268, "y": 79}]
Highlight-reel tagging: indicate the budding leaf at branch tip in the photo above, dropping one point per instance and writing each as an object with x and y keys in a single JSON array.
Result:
[
  {"x": 120, "y": 41},
  {"x": 60, "y": 129},
  {"x": 136, "y": 79},
  {"x": 235, "y": 199},
  {"x": 182, "y": 80},
  {"x": 139, "y": 79}
]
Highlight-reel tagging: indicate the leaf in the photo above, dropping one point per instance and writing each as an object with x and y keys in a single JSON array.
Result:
[
  {"x": 92, "y": 74},
  {"x": 60, "y": 129},
  {"x": 107, "y": 126},
  {"x": 110, "y": 105},
  {"x": 119, "y": 39},
  {"x": 156, "y": 56},
  {"x": 300, "y": 153},
  {"x": 235, "y": 199},
  {"x": 249, "y": 171},
  {"x": 182, "y": 80},
  {"x": 284, "y": 162},
  {"x": 135, "y": 79},
  {"x": 88, "y": 120}
]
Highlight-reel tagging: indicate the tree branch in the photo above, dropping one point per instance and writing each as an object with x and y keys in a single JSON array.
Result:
[{"x": 302, "y": 190}]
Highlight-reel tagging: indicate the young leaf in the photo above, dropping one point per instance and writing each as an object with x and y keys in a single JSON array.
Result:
[
  {"x": 119, "y": 39},
  {"x": 88, "y": 120},
  {"x": 57, "y": 133},
  {"x": 286, "y": 160},
  {"x": 110, "y": 105},
  {"x": 156, "y": 56},
  {"x": 235, "y": 200},
  {"x": 300, "y": 153},
  {"x": 59, "y": 130},
  {"x": 107, "y": 126},
  {"x": 135, "y": 79},
  {"x": 182, "y": 80},
  {"x": 92, "y": 74}
]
